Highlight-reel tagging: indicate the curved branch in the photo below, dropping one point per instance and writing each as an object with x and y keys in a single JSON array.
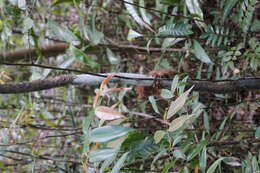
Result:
[
  {"x": 223, "y": 86},
  {"x": 47, "y": 51},
  {"x": 37, "y": 85}
]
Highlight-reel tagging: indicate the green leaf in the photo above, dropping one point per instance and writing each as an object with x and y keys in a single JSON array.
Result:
[
  {"x": 143, "y": 12},
  {"x": 246, "y": 13},
  {"x": 132, "y": 35},
  {"x": 108, "y": 133},
  {"x": 113, "y": 59},
  {"x": 132, "y": 138},
  {"x": 62, "y": 33},
  {"x": 195, "y": 10},
  {"x": 120, "y": 163},
  {"x": 219, "y": 132},
  {"x": 143, "y": 148},
  {"x": 206, "y": 121},
  {"x": 213, "y": 167},
  {"x": 217, "y": 36},
  {"x": 1, "y": 25},
  {"x": 27, "y": 24},
  {"x": 81, "y": 56},
  {"x": 175, "y": 30},
  {"x": 184, "y": 170},
  {"x": 154, "y": 105},
  {"x": 105, "y": 165},
  {"x": 102, "y": 154},
  {"x": 174, "y": 83},
  {"x": 87, "y": 121},
  {"x": 85, "y": 129},
  {"x": 179, "y": 154},
  {"x": 203, "y": 159},
  {"x": 21, "y": 4},
  {"x": 178, "y": 139},
  {"x": 257, "y": 132},
  {"x": 178, "y": 104},
  {"x": 181, "y": 122},
  {"x": 167, "y": 94},
  {"x": 255, "y": 165},
  {"x": 158, "y": 135},
  {"x": 56, "y": 2},
  {"x": 254, "y": 28},
  {"x": 130, "y": 8},
  {"x": 232, "y": 161},
  {"x": 194, "y": 7},
  {"x": 229, "y": 4},
  {"x": 195, "y": 151},
  {"x": 200, "y": 53},
  {"x": 95, "y": 36},
  {"x": 168, "y": 165}
]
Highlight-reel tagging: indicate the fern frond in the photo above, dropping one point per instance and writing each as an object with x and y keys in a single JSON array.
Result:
[
  {"x": 217, "y": 36},
  {"x": 175, "y": 30},
  {"x": 227, "y": 6},
  {"x": 246, "y": 14}
]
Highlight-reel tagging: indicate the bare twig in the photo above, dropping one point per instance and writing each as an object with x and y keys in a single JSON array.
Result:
[{"x": 221, "y": 143}]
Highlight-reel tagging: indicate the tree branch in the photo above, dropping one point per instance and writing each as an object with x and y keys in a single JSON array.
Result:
[{"x": 92, "y": 79}]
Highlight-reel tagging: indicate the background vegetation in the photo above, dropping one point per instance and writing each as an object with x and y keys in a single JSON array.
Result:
[{"x": 115, "y": 128}]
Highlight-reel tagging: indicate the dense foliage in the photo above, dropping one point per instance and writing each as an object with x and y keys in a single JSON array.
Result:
[{"x": 115, "y": 128}]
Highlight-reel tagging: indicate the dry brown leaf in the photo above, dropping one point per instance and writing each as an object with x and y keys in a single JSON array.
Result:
[{"x": 107, "y": 113}]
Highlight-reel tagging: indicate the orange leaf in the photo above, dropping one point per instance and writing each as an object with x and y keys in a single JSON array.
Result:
[
  {"x": 107, "y": 113},
  {"x": 109, "y": 90}
]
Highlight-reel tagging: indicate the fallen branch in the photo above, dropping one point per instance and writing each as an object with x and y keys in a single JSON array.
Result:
[
  {"x": 221, "y": 143},
  {"x": 92, "y": 79}
]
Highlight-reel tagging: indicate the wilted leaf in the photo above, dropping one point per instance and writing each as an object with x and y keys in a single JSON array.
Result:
[
  {"x": 178, "y": 103},
  {"x": 168, "y": 42},
  {"x": 109, "y": 90},
  {"x": 107, "y": 113},
  {"x": 132, "y": 35},
  {"x": 181, "y": 122}
]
